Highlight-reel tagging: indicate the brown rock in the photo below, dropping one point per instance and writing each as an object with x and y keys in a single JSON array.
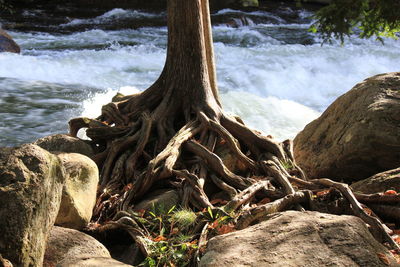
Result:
[
  {"x": 31, "y": 180},
  {"x": 68, "y": 244},
  {"x": 79, "y": 191},
  {"x": 7, "y": 44},
  {"x": 357, "y": 136},
  {"x": 65, "y": 143},
  {"x": 389, "y": 180},
  {"x": 298, "y": 239}
]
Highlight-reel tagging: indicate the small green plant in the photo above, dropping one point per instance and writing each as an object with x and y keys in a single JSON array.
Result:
[
  {"x": 287, "y": 165},
  {"x": 170, "y": 242}
]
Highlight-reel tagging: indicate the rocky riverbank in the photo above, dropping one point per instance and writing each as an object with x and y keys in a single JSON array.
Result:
[{"x": 54, "y": 182}]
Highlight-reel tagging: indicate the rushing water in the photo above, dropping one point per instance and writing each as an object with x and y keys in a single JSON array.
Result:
[{"x": 271, "y": 71}]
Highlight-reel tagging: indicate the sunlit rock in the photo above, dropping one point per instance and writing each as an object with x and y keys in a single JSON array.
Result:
[
  {"x": 79, "y": 192},
  {"x": 65, "y": 143},
  {"x": 31, "y": 181},
  {"x": 357, "y": 136},
  {"x": 68, "y": 245},
  {"x": 294, "y": 239}
]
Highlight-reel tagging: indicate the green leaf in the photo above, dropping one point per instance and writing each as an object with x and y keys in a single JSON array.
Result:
[
  {"x": 210, "y": 212},
  {"x": 171, "y": 209}
]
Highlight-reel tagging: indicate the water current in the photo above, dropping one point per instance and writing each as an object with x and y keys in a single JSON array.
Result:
[{"x": 271, "y": 71}]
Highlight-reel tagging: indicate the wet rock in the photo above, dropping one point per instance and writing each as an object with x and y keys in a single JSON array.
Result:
[
  {"x": 7, "y": 44},
  {"x": 357, "y": 136},
  {"x": 298, "y": 239},
  {"x": 380, "y": 182},
  {"x": 31, "y": 181},
  {"x": 65, "y": 143},
  {"x": 79, "y": 191},
  {"x": 71, "y": 245}
]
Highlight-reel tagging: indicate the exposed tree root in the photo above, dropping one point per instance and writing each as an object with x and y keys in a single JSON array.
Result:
[
  {"x": 174, "y": 134},
  {"x": 380, "y": 231},
  {"x": 153, "y": 151},
  {"x": 281, "y": 204}
]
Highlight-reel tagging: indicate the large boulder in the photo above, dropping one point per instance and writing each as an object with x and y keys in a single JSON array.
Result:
[
  {"x": 7, "y": 44},
  {"x": 357, "y": 136},
  {"x": 68, "y": 244},
  {"x": 31, "y": 181},
  {"x": 298, "y": 239},
  {"x": 79, "y": 192},
  {"x": 65, "y": 143},
  {"x": 380, "y": 182}
]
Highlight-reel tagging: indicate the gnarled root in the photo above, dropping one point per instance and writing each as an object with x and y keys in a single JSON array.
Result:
[
  {"x": 144, "y": 145},
  {"x": 379, "y": 230}
]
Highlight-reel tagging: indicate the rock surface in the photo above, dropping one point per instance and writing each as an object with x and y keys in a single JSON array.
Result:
[
  {"x": 68, "y": 244},
  {"x": 31, "y": 181},
  {"x": 92, "y": 262},
  {"x": 65, "y": 143},
  {"x": 357, "y": 136},
  {"x": 7, "y": 44},
  {"x": 389, "y": 180},
  {"x": 165, "y": 198},
  {"x": 79, "y": 192},
  {"x": 298, "y": 239}
]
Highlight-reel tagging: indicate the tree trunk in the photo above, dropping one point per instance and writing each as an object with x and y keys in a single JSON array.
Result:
[{"x": 172, "y": 135}]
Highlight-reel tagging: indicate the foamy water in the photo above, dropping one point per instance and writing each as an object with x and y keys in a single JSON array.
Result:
[{"x": 271, "y": 71}]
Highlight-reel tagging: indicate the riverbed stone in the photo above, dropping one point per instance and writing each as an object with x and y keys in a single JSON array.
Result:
[
  {"x": 357, "y": 136},
  {"x": 65, "y": 143},
  {"x": 299, "y": 239},
  {"x": 31, "y": 181},
  {"x": 79, "y": 191},
  {"x": 69, "y": 244},
  {"x": 7, "y": 44}
]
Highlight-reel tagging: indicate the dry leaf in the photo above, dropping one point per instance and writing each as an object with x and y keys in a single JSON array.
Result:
[
  {"x": 390, "y": 192},
  {"x": 383, "y": 258},
  {"x": 396, "y": 231},
  {"x": 159, "y": 238},
  {"x": 367, "y": 210},
  {"x": 264, "y": 201},
  {"x": 323, "y": 192},
  {"x": 218, "y": 201},
  {"x": 128, "y": 187},
  {"x": 226, "y": 228},
  {"x": 396, "y": 255},
  {"x": 213, "y": 225}
]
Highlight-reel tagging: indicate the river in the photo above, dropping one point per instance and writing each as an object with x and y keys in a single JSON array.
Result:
[{"x": 271, "y": 71}]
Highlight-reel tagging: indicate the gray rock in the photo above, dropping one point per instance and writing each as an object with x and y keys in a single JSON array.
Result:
[
  {"x": 31, "y": 181},
  {"x": 7, "y": 44},
  {"x": 79, "y": 192},
  {"x": 298, "y": 239},
  {"x": 70, "y": 245},
  {"x": 357, "y": 136},
  {"x": 65, "y": 143},
  {"x": 380, "y": 182}
]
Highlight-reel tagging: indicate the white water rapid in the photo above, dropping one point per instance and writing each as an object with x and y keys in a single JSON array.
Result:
[{"x": 271, "y": 71}]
